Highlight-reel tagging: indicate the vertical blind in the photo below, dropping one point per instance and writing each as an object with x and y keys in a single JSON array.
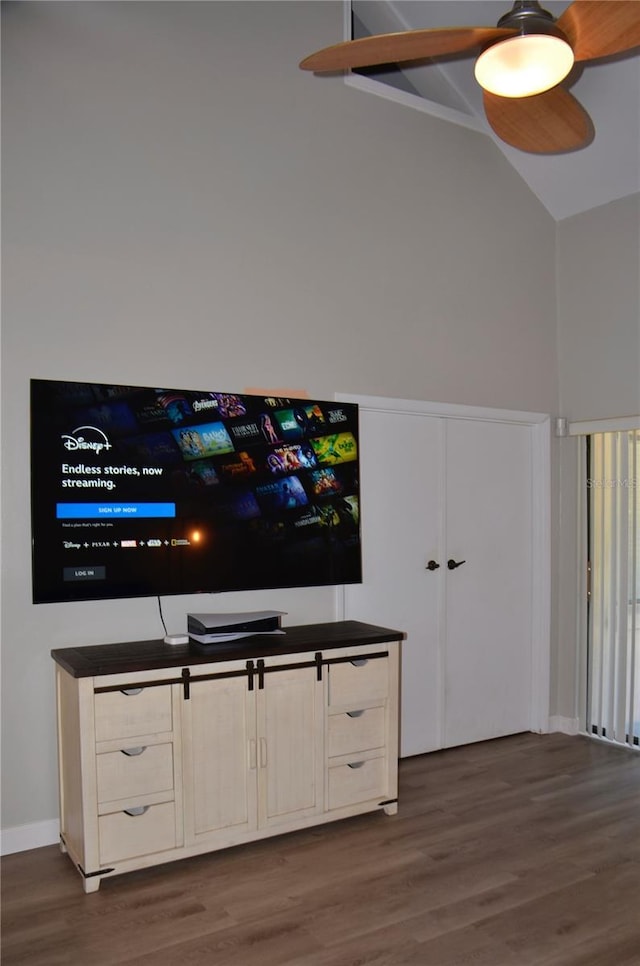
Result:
[{"x": 613, "y": 485}]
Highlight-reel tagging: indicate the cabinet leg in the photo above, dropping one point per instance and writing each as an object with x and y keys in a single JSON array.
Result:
[
  {"x": 92, "y": 884},
  {"x": 391, "y": 809}
]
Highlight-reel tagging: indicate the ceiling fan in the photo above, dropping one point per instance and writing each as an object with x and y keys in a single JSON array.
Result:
[{"x": 520, "y": 67}]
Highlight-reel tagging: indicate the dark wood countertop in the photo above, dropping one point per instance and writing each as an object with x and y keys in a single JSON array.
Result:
[{"x": 97, "y": 659}]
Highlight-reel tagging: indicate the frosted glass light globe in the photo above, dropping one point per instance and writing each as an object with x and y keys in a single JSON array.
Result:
[{"x": 524, "y": 65}]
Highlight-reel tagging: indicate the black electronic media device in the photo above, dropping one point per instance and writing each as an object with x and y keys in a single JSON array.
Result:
[{"x": 148, "y": 491}]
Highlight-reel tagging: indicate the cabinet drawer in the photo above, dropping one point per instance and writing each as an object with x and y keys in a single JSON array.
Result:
[
  {"x": 134, "y": 771},
  {"x": 359, "y": 680},
  {"x": 121, "y": 714},
  {"x": 356, "y": 782},
  {"x": 356, "y": 730},
  {"x": 124, "y": 836}
]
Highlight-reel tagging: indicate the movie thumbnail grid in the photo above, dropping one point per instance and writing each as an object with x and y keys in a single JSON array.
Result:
[{"x": 248, "y": 457}]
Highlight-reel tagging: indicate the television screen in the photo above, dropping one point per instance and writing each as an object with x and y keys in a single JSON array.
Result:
[{"x": 146, "y": 492}]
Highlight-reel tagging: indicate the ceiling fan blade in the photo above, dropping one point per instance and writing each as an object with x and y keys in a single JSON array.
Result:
[
  {"x": 398, "y": 47},
  {"x": 547, "y": 123},
  {"x": 597, "y": 28}
]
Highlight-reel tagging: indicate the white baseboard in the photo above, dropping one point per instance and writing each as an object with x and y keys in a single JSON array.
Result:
[
  {"x": 567, "y": 726},
  {"x": 20, "y": 838}
]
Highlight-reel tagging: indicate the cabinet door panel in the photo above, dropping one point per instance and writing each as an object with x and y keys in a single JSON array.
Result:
[
  {"x": 290, "y": 723},
  {"x": 219, "y": 723}
]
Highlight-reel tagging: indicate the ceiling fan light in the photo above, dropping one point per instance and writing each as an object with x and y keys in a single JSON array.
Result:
[{"x": 524, "y": 65}]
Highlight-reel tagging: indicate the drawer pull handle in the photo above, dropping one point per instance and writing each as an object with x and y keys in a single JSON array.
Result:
[
  {"x": 360, "y": 662},
  {"x": 355, "y": 714},
  {"x": 130, "y": 691},
  {"x": 133, "y": 752},
  {"x": 355, "y": 764},
  {"x": 136, "y": 810}
]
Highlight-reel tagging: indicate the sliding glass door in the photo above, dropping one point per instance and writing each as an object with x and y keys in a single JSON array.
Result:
[{"x": 613, "y": 491}]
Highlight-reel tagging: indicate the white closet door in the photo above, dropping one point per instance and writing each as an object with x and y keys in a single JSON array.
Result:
[
  {"x": 439, "y": 488},
  {"x": 400, "y": 480},
  {"x": 487, "y": 620}
]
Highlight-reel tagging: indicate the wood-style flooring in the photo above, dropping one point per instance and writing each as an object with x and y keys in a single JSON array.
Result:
[{"x": 524, "y": 851}]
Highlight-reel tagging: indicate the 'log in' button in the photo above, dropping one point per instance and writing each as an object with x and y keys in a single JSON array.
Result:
[{"x": 84, "y": 573}]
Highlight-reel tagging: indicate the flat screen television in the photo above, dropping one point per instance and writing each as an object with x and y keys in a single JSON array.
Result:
[{"x": 147, "y": 492}]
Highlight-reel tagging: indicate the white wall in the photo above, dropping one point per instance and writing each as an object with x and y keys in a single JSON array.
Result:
[
  {"x": 599, "y": 311},
  {"x": 183, "y": 206},
  {"x": 598, "y": 256}
]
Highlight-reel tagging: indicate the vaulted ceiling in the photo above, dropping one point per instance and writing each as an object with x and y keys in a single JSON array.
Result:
[{"x": 609, "y": 89}]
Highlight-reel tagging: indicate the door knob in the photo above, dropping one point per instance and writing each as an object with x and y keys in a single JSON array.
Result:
[
  {"x": 432, "y": 565},
  {"x": 452, "y": 564}
]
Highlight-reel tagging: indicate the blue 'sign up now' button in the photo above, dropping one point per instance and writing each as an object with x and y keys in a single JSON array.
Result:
[{"x": 113, "y": 511}]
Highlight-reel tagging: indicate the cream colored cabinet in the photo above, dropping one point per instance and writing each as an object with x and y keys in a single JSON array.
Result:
[
  {"x": 195, "y": 753},
  {"x": 253, "y": 757}
]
